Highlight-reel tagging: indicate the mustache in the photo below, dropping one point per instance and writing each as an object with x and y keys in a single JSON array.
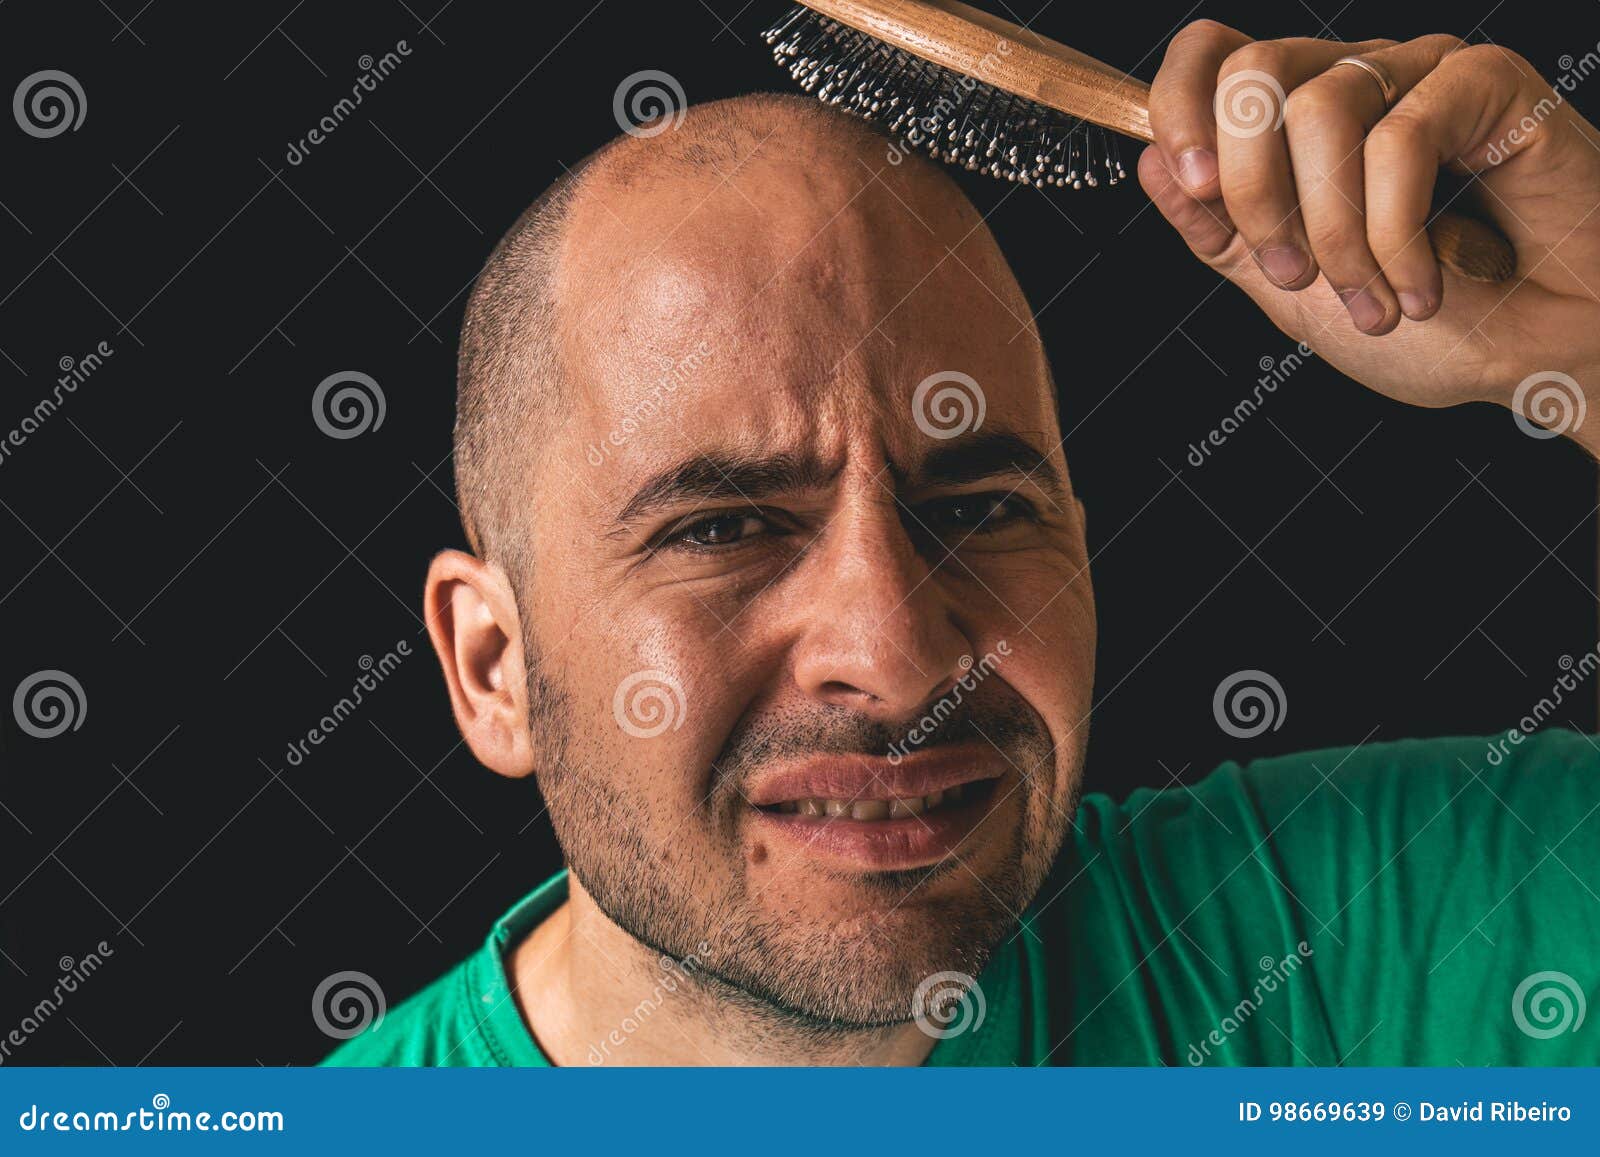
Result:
[{"x": 1000, "y": 717}]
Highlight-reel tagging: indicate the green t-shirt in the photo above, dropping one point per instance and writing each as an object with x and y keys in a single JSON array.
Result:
[{"x": 1425, "y": 902}]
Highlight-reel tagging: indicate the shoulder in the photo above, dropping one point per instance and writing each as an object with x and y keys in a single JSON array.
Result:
[
  {"x": 1412, "y": 877},
  {"x": 1403, "y": 783},
  {"x": 1340, "y": 829}
]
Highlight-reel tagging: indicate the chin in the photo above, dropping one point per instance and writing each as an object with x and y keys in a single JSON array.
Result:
[{"x": 864, "y": 969}]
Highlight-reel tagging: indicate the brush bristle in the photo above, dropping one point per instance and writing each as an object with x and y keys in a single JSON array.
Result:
[{"x": 946, "y": 114}]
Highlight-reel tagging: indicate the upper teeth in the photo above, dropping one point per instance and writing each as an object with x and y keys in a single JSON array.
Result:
[{"x": 872, "y": 809}]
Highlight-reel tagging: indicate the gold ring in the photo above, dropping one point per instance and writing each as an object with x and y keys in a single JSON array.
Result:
[{"x": 1372, "y": 68}]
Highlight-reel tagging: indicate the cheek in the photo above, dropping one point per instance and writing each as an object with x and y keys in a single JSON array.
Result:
[
  {"x": 1056, "y": 684},
  {"x": 665, "y": 684},
  {"x": 1036, "y": 600},
  {"x": 1042, "y": 609}
]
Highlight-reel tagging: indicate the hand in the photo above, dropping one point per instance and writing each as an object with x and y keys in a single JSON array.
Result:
[{"x": 1321, "y": 218}]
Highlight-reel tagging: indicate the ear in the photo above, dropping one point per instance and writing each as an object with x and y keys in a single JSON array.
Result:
[
  {"x": 477, "y": 634},
  {"x": 1083, "y": 516}
]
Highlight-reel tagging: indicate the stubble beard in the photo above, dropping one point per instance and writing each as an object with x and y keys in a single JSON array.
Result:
[{"x": 786, "y": 973}]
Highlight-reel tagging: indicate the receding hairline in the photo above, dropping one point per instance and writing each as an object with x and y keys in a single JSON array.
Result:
[{"x": 510, "y": 370}]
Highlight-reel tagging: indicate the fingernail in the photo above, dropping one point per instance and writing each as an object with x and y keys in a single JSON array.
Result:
[
  {"x": 1197, "y": 168},
  {"x": 1415, "y": 305},
  {"x": 1285, "y": 264},
  {"x": 1365, "y": 309}
]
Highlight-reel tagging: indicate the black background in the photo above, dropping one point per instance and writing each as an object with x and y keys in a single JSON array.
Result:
[{"x": 183, "y": 540}]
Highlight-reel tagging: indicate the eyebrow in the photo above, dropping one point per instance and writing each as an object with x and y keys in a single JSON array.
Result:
[
  {"x": 709, "y": 478},
  {"x": 721, "y": 477},
  {"x": 994, "y": 454}
]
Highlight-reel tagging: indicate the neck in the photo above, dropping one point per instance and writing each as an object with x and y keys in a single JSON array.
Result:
[{"x": 594, "y": 995}]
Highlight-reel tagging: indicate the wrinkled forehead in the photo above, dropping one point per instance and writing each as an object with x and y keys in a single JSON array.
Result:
[{"x": 793, "y": 311}]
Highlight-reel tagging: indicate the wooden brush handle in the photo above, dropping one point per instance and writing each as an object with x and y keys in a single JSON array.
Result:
[{"x": 1018, "y": 60}]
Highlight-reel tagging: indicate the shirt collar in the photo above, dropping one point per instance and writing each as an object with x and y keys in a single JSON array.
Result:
[{"x": 990, "y": 1028}]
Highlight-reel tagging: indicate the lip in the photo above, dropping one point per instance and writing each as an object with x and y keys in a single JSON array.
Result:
[
  {"x": 882, "y": 845},
  {"x": 887, "y": 844},
  {"x": 862, "y": 777}
]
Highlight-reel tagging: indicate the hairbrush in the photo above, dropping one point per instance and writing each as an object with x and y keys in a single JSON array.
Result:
[{"x": 969, "y": 88}]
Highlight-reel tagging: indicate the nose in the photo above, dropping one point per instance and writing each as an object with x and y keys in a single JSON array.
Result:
[{"x": 878, "y": 634}]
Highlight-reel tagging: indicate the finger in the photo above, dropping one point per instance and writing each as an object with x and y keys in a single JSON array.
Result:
[
  {"x": 1181, "y": 116},
  {"x": 1328, "y": 123},
  {"x": 1210, "y": 234},
  {"x": 1401, "y": 165},
  {"x": 1257, "y": 178},
  {"x": 1466, "y": 113},
  {"x": 1490, "y": 105},
  {"x": 1204, "y": 225}
]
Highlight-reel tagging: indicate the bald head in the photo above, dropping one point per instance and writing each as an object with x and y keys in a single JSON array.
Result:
[{"x": 662, "y": 242}]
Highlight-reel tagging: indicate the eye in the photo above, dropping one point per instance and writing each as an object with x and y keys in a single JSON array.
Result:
[
  {"x": 718, "y": 530},
  {"x": 976, "y": 513}
]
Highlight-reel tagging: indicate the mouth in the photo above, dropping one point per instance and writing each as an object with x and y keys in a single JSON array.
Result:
[
  {"x": 878, "y": 810},
  {"x": 864, "y": 814}
]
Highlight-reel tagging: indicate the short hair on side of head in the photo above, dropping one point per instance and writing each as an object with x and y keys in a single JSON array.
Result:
[{"x": 508, "y": 348}]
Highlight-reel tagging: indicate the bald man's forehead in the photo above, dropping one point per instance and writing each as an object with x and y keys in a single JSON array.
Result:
[
  {"x": 765, "y": 300},
  {"x": 799, "y": 325},
  {"x": 839, "y": 244}
]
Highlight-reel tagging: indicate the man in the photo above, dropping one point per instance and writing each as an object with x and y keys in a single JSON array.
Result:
[{"x": 779, "y": 587}]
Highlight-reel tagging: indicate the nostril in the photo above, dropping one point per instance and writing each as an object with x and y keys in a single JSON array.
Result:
[{"x": 844, "y": 694}]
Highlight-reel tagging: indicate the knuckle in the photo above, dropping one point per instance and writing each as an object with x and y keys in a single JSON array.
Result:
[
  {"x": 1384, "y": 252},
  {"x": 1334, "y": 242},
  {"x": 1201, "y": 34},
  {"x": 1390, "y": 250},
  {"x": 1445, "y": 43},
  {"x": 1397, "y": 136},
  {"x": 1492, "y": 59},
  {"x": 1387, "y": 236},
  {"x": 1249, "y": 98},
  {"x": 1248, "y": 189},
  {"x": 1266, "y": 56},
  {"x": 1315, "y": 100}
]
